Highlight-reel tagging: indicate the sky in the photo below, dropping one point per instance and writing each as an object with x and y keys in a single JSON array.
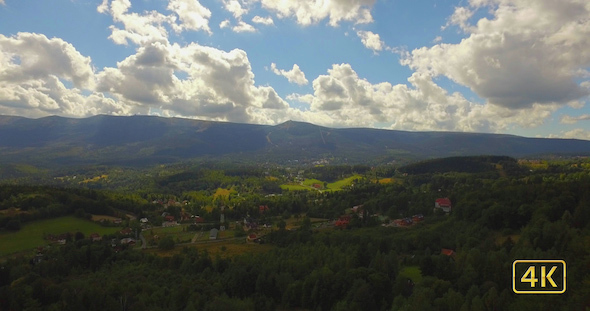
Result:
[{"x": 517, "y": 67}]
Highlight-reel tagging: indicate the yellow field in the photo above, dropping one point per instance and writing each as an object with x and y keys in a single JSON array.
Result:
[
  {"x": 534, "y": 164},
  {"x": 94, "y": 179}
]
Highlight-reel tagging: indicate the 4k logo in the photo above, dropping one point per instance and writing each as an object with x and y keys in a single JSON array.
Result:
[{"x": 538, "y": 276}]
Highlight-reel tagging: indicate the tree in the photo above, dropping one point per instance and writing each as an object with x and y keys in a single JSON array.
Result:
[{"x": 166, "y": 243}]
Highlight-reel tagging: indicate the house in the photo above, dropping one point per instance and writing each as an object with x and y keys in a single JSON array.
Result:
[
  {"x": 184, "y": 216},
  {"x": 169, "y": 218},
  {"x": 144, "y": 220},
  {"x": 263, "y": 208},
  {"x": 128, "y": 241},
  {"x": 359, "y": 210},
  {"x": 95, "y": 237},
  {"x": 213, "y": 234},
  {"x": 404, "y": 222},
  {"x": 417, "y": 218},
  {"x": 342, "y": 222},
  {"x": 199, "y": 219},
  {"x": 126, "y": 231},
  {"x": 251, "y": 238},
  {"x": 317, "y": 186},
  {"x": 444, "y": 204},
  {"x": 117, "y": 221},
  {"x": 447, "y": 252}
]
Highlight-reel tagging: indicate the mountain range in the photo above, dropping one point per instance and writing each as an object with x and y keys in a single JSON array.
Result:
[{"x": 148, "y": 140}]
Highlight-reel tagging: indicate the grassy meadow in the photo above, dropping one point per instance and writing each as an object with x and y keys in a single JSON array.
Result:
[
  {"x": 307, "y": 184},
  {"x": 31, "y": 234}
]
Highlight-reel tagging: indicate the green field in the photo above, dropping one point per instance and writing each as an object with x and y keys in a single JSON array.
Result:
[
  {"x": 31, "y": 234},
  {"x": 294, "y": 187},
  {"x": 177, "y": 232},
  {"x": 412, "y": 272},
  {"x": 310, "y": 182},
  {"x": 338, "y": 185}
]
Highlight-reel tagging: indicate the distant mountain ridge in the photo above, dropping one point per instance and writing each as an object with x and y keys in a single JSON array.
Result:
[{"x": 142, "y": 140}]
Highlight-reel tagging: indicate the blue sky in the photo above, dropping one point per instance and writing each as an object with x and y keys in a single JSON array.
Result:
[{"x": 503, "y": 66}]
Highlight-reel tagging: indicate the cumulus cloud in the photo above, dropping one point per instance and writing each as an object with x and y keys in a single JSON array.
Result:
[
  {"x": 243, "y": 27},
  {"x": 218, "y": 85},
  {"x": 371, "y": 40},
  {"x": 460, "y": 17},
  {"x": 28, "y": 56},
  {"x": 342, "y": 98},
  {"x": 307, "y": 98},
  {"x": 34, "y": 72},
  {"x": 308, "y": 12},
  {"x": 574, "y": 134},
  {"x": 262, "y": 20},
  {"x": 224, "y": 24},
  {"x": 192, "y": 14},
  {"x": 295, "y": 75},
  {"x": 151, "y": 25},
  {"x": 235, "y": 7},
  {"x": 573, "y": 120},
  {"x": 529, "y": 53}
]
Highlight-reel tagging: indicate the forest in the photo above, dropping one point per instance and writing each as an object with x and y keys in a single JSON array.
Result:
[{"x": 503, "y": 209}]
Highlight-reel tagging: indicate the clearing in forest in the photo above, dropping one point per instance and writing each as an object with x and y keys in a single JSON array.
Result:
[{"x": 32, "y": 234}]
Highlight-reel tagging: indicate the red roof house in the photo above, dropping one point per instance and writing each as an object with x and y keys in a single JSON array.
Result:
[
  {"x": 444, "y": 204},
  {"x": 95, "y": 237},
  {"x": 447, "y": 252}
]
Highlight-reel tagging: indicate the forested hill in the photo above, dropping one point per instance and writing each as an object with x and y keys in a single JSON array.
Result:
[{"x": 142, "y": 140}]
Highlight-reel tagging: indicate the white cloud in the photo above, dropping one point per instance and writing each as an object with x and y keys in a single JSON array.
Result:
[
  {"x": 371, "y": 40},
  {"x": 243, "y": 27},
  {"x": 29, "y": 56},
  {"x": 219, "y": 85},
  {"x": 573, "y": 134},
  {"x": 437, "y": 39},
  {"x": 529, "y": 53},
  {"x": 307, "y": 98},
  {"x": 137, "y": 28},
  {"x": 262, "y": 20},
  {"x": 151, "y": 25},
  {"x": 34, "y": 72},
  {"x": 460, "y": 17},
  {"x": 235, "y": 7},
  {"x": 573, "y": 120},
  {"x": 341, "y": 98},
  {"x": 295, "y": 75},
  {"x": 224, "y": 24},
  {"x": 308, "y": 12},
  {"x": 192, "y": 14},
  {"x": 2, "y": 2}
]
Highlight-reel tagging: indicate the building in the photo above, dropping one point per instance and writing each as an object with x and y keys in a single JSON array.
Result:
[
  {"x": 213, "y": 234},
  {"x": 444, "y": 204},
  {"x": 95, "y": 237}
]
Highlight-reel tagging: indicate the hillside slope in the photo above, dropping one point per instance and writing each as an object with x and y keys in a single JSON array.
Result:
[{"x": 143, "y": 140}]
